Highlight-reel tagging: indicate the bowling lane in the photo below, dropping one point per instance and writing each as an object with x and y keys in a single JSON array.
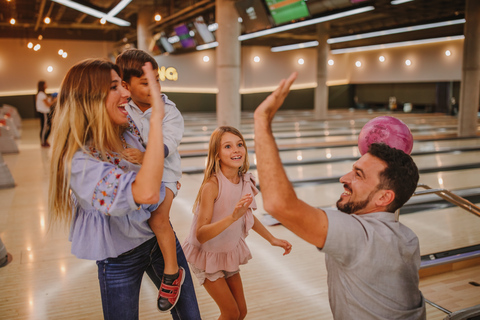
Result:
[
  {"x": 196, "y": 144},
  {"x": 298, "y": 120},
  {"x": 297, "y": 173},
  {"x": 332, "y": 154},
  {"x": 323, "y": 133},
  {"x": 444, "y": 230}
]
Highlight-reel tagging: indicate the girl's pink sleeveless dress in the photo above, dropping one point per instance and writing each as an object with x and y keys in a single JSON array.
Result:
[{"x": 228, "y": 250}]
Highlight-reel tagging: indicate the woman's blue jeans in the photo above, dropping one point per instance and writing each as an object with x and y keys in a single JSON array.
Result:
[{"x": 120, "y": 279}]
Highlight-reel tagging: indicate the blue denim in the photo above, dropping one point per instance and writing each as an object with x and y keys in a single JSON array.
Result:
[{"x": 120, "y": 279}]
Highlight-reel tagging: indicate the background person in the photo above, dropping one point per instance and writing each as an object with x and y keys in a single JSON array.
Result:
[{"x": 43, "y": 104}]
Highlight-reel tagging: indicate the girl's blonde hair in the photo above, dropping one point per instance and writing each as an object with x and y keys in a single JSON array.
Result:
[
  {"x": 213, "y": 161},
  {"x": 80, "y": 118}
]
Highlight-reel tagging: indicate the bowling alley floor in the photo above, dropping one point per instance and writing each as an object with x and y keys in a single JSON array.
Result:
[{"x": 45, "y": 281}]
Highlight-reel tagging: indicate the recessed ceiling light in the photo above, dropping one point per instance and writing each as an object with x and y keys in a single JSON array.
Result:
[
  {"x": 395, "y": 44},
  {"x": 395, "y": 31}
]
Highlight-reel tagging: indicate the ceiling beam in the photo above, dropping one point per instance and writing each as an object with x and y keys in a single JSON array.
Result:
[{"x": 40, "y": 14}]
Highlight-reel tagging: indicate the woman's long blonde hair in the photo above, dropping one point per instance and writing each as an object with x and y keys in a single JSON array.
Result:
[
  {"x": 80, "y": 118},
  {"x": 213, "y": 161}
]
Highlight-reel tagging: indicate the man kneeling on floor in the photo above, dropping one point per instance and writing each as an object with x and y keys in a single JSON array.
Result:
[{"x": 372, "y": 260}]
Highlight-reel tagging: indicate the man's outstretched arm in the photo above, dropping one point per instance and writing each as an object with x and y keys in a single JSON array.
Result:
[{"x": 279, "y": 198}]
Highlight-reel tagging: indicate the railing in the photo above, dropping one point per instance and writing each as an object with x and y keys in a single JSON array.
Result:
[
  {"x": 468, "y": 313},
  {"x": 448, "y": 196}
]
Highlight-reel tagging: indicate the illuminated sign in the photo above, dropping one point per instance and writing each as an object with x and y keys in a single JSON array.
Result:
[{"x": 169, "y": 73}]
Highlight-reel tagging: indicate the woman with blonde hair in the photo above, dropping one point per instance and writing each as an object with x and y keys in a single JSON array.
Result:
[{"x": 106, "y": 199}]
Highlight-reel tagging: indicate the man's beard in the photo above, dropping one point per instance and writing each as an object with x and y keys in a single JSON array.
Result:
[{"x": 352, "y": 207}]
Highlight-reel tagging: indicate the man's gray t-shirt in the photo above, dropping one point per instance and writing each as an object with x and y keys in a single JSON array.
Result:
[{"x": 372, "y": 263}]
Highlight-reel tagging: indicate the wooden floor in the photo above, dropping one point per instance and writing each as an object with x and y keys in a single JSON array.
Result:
[{"x": 45, "y": 281}]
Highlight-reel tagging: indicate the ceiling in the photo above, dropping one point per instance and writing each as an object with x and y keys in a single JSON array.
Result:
[{"x": 70, "y": 24}]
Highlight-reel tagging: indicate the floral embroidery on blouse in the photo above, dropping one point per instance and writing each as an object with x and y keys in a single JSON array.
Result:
[
  {"x": 106, "y": 191},
  {"x": 133, "y": 129}
]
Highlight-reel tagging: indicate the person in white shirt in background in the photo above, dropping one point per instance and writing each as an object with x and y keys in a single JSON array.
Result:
[{"x": 44, "y": 105}]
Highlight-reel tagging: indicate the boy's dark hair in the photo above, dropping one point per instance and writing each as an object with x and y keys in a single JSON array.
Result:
[
  {"x": 131, "y": 62},
  {"x": 401, "y": 174}
]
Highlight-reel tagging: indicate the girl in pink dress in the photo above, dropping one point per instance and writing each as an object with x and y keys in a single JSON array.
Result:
[{"x": 216, "y": 247}]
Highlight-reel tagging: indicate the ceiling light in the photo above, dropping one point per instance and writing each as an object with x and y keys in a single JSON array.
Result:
[
  {"x": 207, "y": 46},
  {"x": 381, "y": 58},
  {"x": 119, "y": 7},
  {"x": 399, "y": 1},
  {"x": 206, "y": 58},
  {"x": 12, "y": 21},
  {"x": 396, "y": 44},
  {"x": 64, "y": 54},
  {"x": 394, "y": 31},
  {"x": 40, "y": 37},
  {"x": 358, "y": 64},
  {"x": 47, "y": 20},
  {"x": 256, "y": 59},
  {"x": 158, "y": 17},
  {"x": 30, "y": 45},
  {"x": 109, "y": 17},
  {"x": 37, "y": 47},
  {"x": 301, "y": 61},
  {"x": 408, "y": 62},
  {"x": 60, "y": 52},
  {"x": 212, "y": 27},
  {"x": 49, "y": 68},
  {"x": 330, "y": 62},
  {"x": 173, "y": 39},
  {"x": 103, "y": 20},
  {"x": 304, "y": 23},
  {"x": 295, "y": 46},
  {"x": 448, "y": 53}
]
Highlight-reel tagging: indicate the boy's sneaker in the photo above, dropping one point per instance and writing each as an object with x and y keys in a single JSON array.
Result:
[{"x": 170, "y": 290}]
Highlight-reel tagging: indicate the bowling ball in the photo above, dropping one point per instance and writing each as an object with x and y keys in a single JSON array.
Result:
[{"x": 388, "y": 130}]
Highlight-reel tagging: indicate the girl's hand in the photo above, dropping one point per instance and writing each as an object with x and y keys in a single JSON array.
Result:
[
  {"x": 242, "y": 206},
  {"x": 282, "y": 243},
  {"x": 133, "y": 155}
]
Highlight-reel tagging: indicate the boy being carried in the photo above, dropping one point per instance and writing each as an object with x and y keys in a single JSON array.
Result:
[{"x": 131, "y": 62}]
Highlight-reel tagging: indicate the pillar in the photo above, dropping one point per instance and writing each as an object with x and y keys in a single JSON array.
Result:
[
  {"x": 228, "y": 64},
  {"x": 144, "y": 34},
  {"x": 321, "y": 91},
  {"x": 470, "y": 85}
]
